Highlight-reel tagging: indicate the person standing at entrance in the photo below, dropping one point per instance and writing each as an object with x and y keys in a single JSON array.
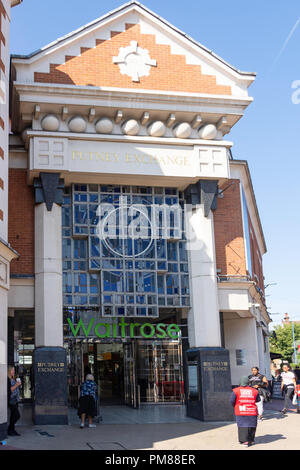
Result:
[
  {"x": 13, "y": 398},
  {"x": 260, "y": 383},
  {"x": 288, "y": 386},
  {"x": 87, "y": 401},
  {"x": 244, "y": 399}
]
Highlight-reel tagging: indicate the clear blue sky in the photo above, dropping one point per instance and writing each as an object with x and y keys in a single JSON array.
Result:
[{"x": 250, "y": 36}]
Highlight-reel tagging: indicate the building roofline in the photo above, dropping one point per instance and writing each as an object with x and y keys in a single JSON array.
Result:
[
  {"x": 246, "y": 166},
  {"x": 119, "y": 10}
]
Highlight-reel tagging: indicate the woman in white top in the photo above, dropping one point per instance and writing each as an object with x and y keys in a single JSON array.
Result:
[{"x": 288, "y": 385}]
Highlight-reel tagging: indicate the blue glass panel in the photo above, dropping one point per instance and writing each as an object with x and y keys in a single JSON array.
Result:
[
  {"x": 80, "y": 197},
  {"x": 66, "y": 249},
  {"x": 185, "y": 287},
  {"x": 94, "y": 264},
  {"x": 173, "y": 268},
  {"x": 80, "y": 249},
  {"x": 94, "y": 219},
  {"x": 140, "y": 299},
  {"x": 67, "y": 232},
  {"x": 129, "y": 282},
  {"x": 161, "y": 301},
  {"x": 141, "y": 312},
  {"x": 120, "y": 311},
  {"x": 94, "y": 284},
  {"x": 113, "y": 281},
  {"x": 184, "y": 268},
  {"x": 80, "y": 187},
  {"x": 128, "y": 265},
  {"x": 68, "y": 300},
  {"x": 80, "y": 214},
  {"x": 130, "y": 299},
  {"x": 172, "y": 284},
  {"x": 159, "y": 200},
  {"x": 80, "y": 283},
  {"x": 161, "y": 249},
  {"x": 67, "y": 265},
  {"x": 94, "y": 247},
  {"x": 172, "y": 251},
  {"x": 107, "y": 299},
  {"x": 162, "y": 266},
  {"x": 153, "y": 311},
  {"x": 171, "y": 191},
  {"x": 81, "y": 230},
  {"x": 80, "y": 265},
  {"x": 160, "y": 284},
  {"x": 67, "y": 283},
  {"x": 93, "y": 300},
  {"x": 183, "y": 252},
  {"x": 66, "y": 216}
]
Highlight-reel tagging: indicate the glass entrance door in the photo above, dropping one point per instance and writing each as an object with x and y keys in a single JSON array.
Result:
[
  {"x": 130, "y": 385},
  {"x": 160, "y": 372}
]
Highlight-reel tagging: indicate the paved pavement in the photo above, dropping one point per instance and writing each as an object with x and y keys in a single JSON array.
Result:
[{"x": 273, "y": 433}]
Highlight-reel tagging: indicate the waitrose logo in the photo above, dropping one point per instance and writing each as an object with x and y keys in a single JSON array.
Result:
[{"x": 122, "y": 329}]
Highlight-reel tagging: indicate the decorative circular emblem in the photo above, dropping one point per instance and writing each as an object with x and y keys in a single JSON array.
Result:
[{"x": 134, "y": 61}]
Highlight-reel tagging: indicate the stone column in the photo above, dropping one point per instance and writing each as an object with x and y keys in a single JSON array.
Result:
[
  {"x": 50, "y": 384},
  {"x": 204, "y": 317},
  {"x": 208, "y": 389}
]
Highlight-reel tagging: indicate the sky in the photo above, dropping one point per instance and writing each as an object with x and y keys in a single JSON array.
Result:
[{"x": 256, "y": 36}]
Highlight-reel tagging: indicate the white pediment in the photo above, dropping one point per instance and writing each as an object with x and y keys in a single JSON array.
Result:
[{"x": 165, "y": 34}]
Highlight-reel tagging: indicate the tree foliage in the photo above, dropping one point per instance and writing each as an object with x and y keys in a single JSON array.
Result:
[{"x": 282, "y": 341}]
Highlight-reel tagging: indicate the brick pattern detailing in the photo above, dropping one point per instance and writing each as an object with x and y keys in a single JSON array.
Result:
[
  {"x": 21, "y": 221},
  {"x": 3, "y": 14},
  {"x": 229, "y": 237},
  {"x": 94, "y": 67}
]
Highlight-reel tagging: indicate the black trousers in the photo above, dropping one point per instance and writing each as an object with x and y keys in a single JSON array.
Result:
[
  {"x": 14, "y": 417},
  {"x": 288, "y": 395},
  {"x": 246, "y": 434}
]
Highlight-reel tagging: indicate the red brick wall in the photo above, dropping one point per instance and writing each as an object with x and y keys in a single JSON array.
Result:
[
  {"x": 95, "y": 67},
  {"x": 229, "y": 238},
  {"x": 21, "y": 221}
]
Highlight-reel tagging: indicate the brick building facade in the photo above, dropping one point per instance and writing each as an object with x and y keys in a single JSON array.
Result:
[{"x": 128, "y": 107}]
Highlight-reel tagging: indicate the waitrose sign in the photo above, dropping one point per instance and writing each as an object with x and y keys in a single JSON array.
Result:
[{"x": 123, "y": 329}]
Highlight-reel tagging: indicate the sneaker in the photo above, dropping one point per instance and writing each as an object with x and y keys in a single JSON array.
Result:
[
  {"x": 13, "y": 433},
  {"x": 283, "y": 411},
  {"x": 260, "y": 418},
  {"x": 81, "y": 425},
  {"x": 245, "y": 444},
  {"x": 92, "y": 426}
]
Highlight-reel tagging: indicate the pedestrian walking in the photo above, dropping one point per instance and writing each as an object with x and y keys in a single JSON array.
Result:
[
  {"x": 87, "y": 401},
  {"x": 288, "y": 386},
  {"x": 244, "y": 400},
  {"x": 13, "y": 398},
  {"x": 260, "y": 383},
  {"x": 297, "y": 392}
]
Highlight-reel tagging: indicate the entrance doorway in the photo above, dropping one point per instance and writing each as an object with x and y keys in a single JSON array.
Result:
[{"x": 133, "y": 373}]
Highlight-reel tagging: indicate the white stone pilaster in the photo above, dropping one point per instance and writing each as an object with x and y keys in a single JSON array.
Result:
[
  {"x": 48, "y": 277},
  {"x": 204, "y": 317}
]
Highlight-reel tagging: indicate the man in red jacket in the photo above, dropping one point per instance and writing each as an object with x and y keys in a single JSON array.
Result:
[{"x": 244, "y": 399}]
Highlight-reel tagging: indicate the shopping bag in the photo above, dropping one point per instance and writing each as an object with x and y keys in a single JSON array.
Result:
[{"x": 295, "y": 399}]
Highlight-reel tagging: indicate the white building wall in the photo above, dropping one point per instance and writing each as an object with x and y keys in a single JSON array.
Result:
[{"x": 240, "y": 333}]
